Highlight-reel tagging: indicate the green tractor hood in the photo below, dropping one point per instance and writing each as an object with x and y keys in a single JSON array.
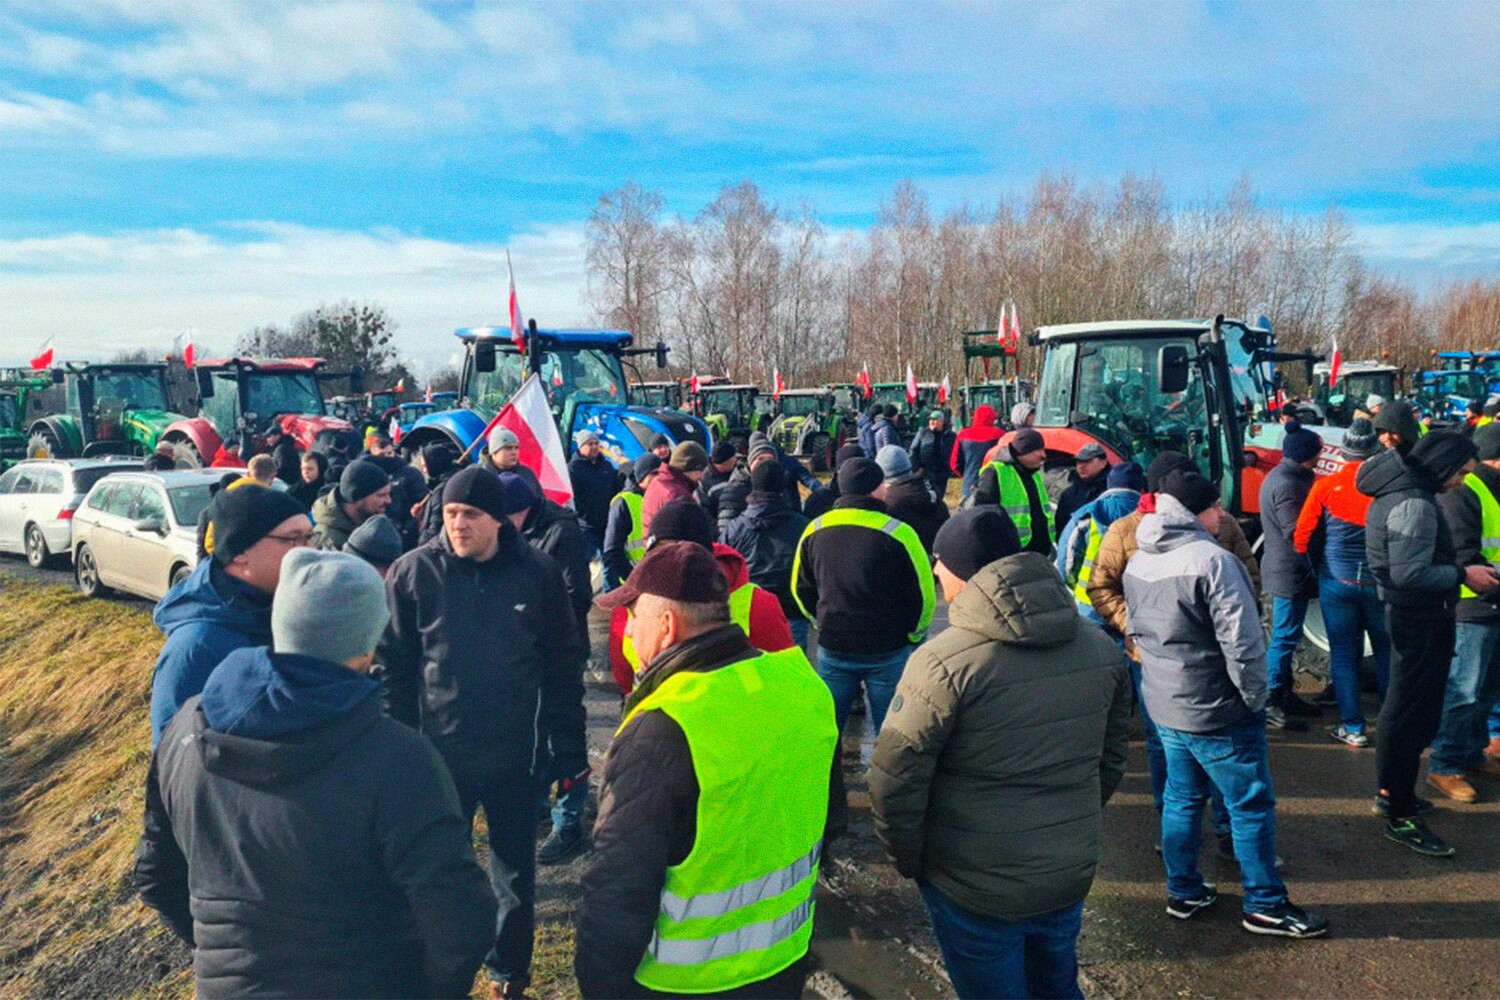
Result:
[{"x": 143, "y": 428}]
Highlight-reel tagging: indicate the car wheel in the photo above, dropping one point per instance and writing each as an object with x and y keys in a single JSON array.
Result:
[
  {"x": 37, "y": 553},
  {"x": 86, "y": 572},
  {"x": 181, "y": 572}
]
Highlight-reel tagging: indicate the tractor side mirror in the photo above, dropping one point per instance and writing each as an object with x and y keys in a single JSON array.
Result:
[
  {"x": 205, "y": 383},
  {"x": 356, "y": 379},
  {"x": 484, "y": 356},
  {"x": 661, "y": 354},
  {"x": 1172, "y": 369}
]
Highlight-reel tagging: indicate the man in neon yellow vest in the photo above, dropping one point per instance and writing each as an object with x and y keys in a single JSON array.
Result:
[
  {"x": 1472, "y": 511},
  {"x": 1013, "y": 481},
  {"x": 624, "y": 536},
  {"x": 693, "y": 890}
]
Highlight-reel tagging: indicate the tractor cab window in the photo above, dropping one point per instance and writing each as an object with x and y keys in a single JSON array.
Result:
[
  {"x": 799, "y": 406},
  {"x": 129, "y": 390},
  {"x": 1246, "y": 383},
  {"x": 10, "y": 411},
  {"x": 222, "y": 408},
  {"x": 585, "y": 376},
  {"x": 269, "y": 393}
]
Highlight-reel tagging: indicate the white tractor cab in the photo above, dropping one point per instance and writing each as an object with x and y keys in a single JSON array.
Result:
[{"x": 1335, "y": 405}]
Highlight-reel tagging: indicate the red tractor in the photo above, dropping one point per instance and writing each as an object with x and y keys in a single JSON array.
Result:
[{"x": 240, "y": 398}]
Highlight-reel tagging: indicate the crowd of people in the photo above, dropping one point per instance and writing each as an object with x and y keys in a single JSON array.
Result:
[{"x": 368, "y": 655}]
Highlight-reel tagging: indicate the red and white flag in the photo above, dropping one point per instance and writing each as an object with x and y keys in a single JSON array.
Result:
[
  {"x": 393, "y": 430},
  {"x": 776, "y": 382},
  {"x": 189, "y": 355},
  {"x": 44, "y": 357},
  {"x": 943, "y": 391},
  {"x": 695, "y": 384},
  {"x": 1015, "y": 326},
  {"x": 1333, "y": 367},
  {"x": 529, "y": 417},
  {"x": 864, "y": 381},
  {"x": 517, "y": 328},
  {"x": 911, "y": 386},
  {"x": 401, "y": 386},
  {"x": 428, "y": 397}
]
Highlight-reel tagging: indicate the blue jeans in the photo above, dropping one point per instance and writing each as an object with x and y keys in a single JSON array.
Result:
[
  {"x": 1473, "y": 690},
  {"x": 1156, "y": 761},
  {"x": 986, "y": 957},
  {"x": 1287, "y": 615},
  {"x": 1349, "y": 611},
  {"x": 1233, "y": 760},
  {"x": 879, "y": 673},
  {"x": 567, "y": 808}
]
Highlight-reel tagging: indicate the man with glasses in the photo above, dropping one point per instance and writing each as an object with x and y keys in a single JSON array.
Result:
[{"x": 226, "y": 603}]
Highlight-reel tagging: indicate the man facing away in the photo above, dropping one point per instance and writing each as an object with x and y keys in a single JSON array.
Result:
[
  {"x": 304, "y": 844},
  {"x": 692, "y": 890},
  {"x": 1286, "y": 574},
  {"x": 1006, "y": 737},
  {"x": 1203, "y": 677},
  {"x": 482, "y": 655}
]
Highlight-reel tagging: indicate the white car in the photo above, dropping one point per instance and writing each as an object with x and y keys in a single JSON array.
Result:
[
  {"x": 138, "y": 531},
  {"x": 38, "y": 499}
]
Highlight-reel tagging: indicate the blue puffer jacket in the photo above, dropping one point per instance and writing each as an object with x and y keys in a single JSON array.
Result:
[
  {"x": 205, "y": 617},
  {"x": 1073, "y": 542}
]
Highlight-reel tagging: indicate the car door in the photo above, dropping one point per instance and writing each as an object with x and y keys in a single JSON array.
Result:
[
  {"x": 108, "y": 537},
  {"x": 10, "y": 525},
  {"x": 143, "y": 554},
  {"x": 22, "y": 498}
]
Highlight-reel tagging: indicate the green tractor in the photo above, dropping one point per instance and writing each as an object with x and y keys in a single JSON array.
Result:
[
  {"x": 1000, "y": 394},
  {"x": 810, "y": 425},
  {"x": 19, "y": 397},
  {"x": 730, "y": 411},
  {"x": 662, "y": 395},
  {"x": 104, "y": 409}
]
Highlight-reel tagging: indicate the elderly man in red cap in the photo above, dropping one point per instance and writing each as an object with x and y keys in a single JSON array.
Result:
[{"x": 691, "y": 890}]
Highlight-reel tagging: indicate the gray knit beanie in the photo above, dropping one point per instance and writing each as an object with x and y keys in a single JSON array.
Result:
[
  {"x": 893, "y": 461},
  {"x": 328, "y": 604}
]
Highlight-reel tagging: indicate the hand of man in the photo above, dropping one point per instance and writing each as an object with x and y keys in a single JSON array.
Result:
[{"x": 1480, "y": 578}]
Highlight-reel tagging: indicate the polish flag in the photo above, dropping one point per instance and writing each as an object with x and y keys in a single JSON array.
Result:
[
  {"x": 517, "y": 328},
  {"x": 530, "y": 417},
  {"x": 776, "y": 381},
  {"x": 943, "y": 391},
  {"x": 44, "y": 357},
  {"x": 189, "y": 355},
  {"x": 428, "y": 398},
  {"x": 863, "y": 381},
  {"x": 1015, "y": 327},
  {"x": 1333, "y": 367},
  {"x": 695, "y": 384},
  {"x": 393, "y": 430},
  {"x": 911, "y": 387},
  {"x": 401, "y": 386}
]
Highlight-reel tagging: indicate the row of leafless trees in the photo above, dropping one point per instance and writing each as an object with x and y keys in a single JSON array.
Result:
[{"x": 745, "y": 286}]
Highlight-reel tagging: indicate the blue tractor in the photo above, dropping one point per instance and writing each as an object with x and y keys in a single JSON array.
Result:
[{"x": 583, "y": 373}]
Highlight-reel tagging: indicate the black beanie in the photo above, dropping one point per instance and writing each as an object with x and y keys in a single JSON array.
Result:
[
  {"x": 768, "y": 477},
  {"x": 1397, "y": 417},
  {"x": 478, "y": 487},
  {"x": 723, "y": 451},
  {"x": 1487, "y": 442},
  {"x": 1161, "y": 465},
  {"x": 241, "y": 517},
  {"x": 519, "y": 494},
  {"x": 361, "y": 478},
  {"x": 848, "y": 451},
  {"x": 681, "y": 520},
  {"x": 859, "y": 477},
  {"x": 438, "y": 458},
  {"x": 1441, "y": 454},
  {"x": 972, "y": 539},
  {"x": 1190, "y": 489}
]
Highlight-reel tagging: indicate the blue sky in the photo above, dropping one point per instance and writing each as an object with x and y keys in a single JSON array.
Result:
[{"x": 203, "y": 166}]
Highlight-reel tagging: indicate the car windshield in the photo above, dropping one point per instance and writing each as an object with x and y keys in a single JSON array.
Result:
[
  {"x": 583, "y": 376},
  {"x": 267, "y": 393},
  {"x": 135, "y": 390},
  {"x": 189, "y": 502},
  {"x": 799, "y": 406}
]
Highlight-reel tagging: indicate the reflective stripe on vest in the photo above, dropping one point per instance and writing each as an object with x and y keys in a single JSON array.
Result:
[
  {"x": 1015, "y": 501},
  {"x": 1489, "y": 525},
  {"x": 875, "y": 521},
  {"x": 1081, "y": 584},
  {"x": 635, "y": 542},
  {"x": 739, "y": 907},
  {"x": 740, "y": 601}
]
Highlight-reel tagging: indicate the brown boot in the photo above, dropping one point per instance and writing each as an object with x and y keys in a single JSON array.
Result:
[{"x": 1452, "y": 785}]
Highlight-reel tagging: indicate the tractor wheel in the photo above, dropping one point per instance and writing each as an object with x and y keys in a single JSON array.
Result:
[
  {"x": 822, "y": 453},
  {"x": 185, "y": 453},
  {"x": 43, "y": 443}
]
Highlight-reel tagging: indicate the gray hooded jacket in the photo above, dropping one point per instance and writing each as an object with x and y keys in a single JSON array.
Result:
[{"x": 1194, "y": 619}]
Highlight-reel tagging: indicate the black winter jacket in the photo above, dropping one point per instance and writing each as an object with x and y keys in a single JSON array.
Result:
[
  {"x": 1078, "y": 494},
  {"x": 930, "y": 454},
  {"x": 911, "y": 500},
  {"x": 1284, "y": 572},
  {"x": 432, "y": 509},
  {"x": 766, "y": 534},
  {"x": 730, "y": 498},
  {"x": 552, "y": 528},
  {"x": 594, "y": 486},
  {"x": 1411, "y": 553},
  {"x": 1465, "y": 519},
  {"x": 315, "y": 847},
  {"x": 616, "y": 558},
  {"x": 478, "y": 655}
]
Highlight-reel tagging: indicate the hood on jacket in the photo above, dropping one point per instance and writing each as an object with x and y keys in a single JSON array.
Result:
[
  {"x": 216, "y": 597},
  {"x": 261, "y": 695},
  {"x": 1389, "y": 473},
  {"x": 543, "y": 515},
  {"x": 984, "y": 416},
  {"x": 1019, "y": 600},
  {"x": 733, "y": 565},
  {"x": 764, "y": 509},
  {"x": 1111, "y": 505},
  {"x": 1170, "y": 526}
]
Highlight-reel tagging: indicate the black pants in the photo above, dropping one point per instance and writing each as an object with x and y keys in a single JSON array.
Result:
[
  {"x": 1422, "y": 648},
  {"x": 509, "y": 803}
]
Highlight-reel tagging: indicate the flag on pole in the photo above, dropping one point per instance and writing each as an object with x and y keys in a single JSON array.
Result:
[
  {"x": 393, "y": 430},
  {"x": 911, "y": 386},
  {"x": 1333, "y": 367},
  {"x": 1015, "y": 327},
  {"x": 517, "y": 328},
  {"x": 944, "y": 390},
  {"x": 428, "y": 397},
  {"x": 529, "y": 416},
  {"x": 189, "y": 355},
  {"x": 864, "y": 380},
  {"x": 695, "y": 384},
  {"x": 43, "y": 358},
  {"x": 776, "y": 382}
]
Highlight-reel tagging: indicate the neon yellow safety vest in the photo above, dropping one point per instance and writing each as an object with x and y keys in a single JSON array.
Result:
[
  {"x": 1489, "y": 525},
  {"x": 635, "y": 542},
  {"x": 875, "y": 521},
  {"x": 1081, "y": 584},
  {"x": 739, "y": 613},
  {"x": 1482, "y": 421},
  {"x": 739, "y": 908},
  {"x": 1014, "y": 500}
]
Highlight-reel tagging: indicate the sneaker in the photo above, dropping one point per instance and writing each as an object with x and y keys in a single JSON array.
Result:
[
  {"x": 1286, "y": 921},
  {"x": 1278, "y": 719},
  {"x": 1412, "y": 832},
  {"x": 506, "y": 991},
  {"x": 1344, "y": 734},
  {"x": 1455, "y": 786},
  {"x": 1224, "y": 848},
  {"x": 1382, "y": 806},
  {"x": 1294, "y": 705},
  {"x": 561, "y": 845},
  {"x": 1484, "y": 769},
  {"x": 1186, "y": 909}
]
